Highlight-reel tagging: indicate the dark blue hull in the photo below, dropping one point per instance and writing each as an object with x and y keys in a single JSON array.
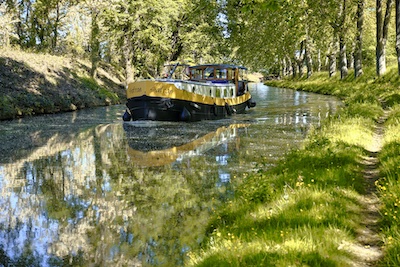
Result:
[{"x": 166, "y": 109}]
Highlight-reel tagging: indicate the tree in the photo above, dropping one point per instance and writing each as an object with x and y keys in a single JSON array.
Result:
[
  {"x": 358, "y": 47},
  {"x": 398, "y": 34},
  {"x": 382, "y": 28},
  {"x": 342, "y": 43},
  {"x": 335, "y": 13},
  {"x": 38, "y": 22},
  {"x": 94, "y": 9},
  {"x": 7, "y": 22},
  {"x": 249, "y": 30}
]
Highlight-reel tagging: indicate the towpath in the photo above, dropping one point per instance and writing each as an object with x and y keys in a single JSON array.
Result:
[{"x": 368, "y": 249}]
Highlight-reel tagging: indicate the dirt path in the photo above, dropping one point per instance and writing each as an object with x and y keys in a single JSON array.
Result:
[{"x": 369, "y": 244}]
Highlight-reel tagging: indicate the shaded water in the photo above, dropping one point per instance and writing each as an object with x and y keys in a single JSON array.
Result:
[{"x": 85, "y": 188}]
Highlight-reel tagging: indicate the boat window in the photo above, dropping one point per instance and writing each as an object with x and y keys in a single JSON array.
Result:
[
  {"x": 242, "y": 74},
  {"x": 221, "y": 73},
  {"x": 231, "y": 75},
  {"x": 209, "y": 73},
  {"x": 198, "y": 74}
]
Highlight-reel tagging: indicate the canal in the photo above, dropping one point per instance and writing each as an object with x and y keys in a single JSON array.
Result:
[{"x": 84, "y": 188}]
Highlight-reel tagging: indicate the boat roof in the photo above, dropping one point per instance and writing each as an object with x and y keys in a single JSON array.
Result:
[{"x": 224, "y": 66}]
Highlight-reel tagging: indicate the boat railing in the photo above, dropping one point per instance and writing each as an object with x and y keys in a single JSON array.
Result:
[
  {"x": 223, "y": 90},
  {"x": 216, "y": 83}
]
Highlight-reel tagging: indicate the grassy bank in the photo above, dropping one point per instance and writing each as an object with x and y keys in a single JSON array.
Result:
[
  {"x": 314, "y": 207},
  {"x": 39, "y": 83}
]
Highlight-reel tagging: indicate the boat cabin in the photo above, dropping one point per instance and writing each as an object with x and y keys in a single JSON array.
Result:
[{"x": 221, "y": 74}]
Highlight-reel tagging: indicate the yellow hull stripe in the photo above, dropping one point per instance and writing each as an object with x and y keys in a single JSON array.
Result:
[{"x": 167, "y": 90}]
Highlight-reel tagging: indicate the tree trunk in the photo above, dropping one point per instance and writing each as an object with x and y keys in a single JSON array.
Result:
[
  {"x": 319, "y": 63},
  {"x": 94, "y": 44},
  {"x": 127, "y": 53},
  {"x": 332, "y": 57},
  {"x": 343, "y": 58},
  {"x": 332, "y": 64},
  {"x": 309, "y": 64},
  {"x": 382, "y": 28},
  {"x": 289, "y": 66},
  {"x": 350, "y": 59},
  {"x": 294, "y": 68},
  {"x": 342, "y": 44},
  {"x": 55, "y": 28},
  {"x": 308, "y": 59},
  {"x": 177, "y": 46},
  {"x": 300, "y": 67},
  {"x": 284, "y": 67},
  {"x": 358, "y": 49},
  {"x": 398, "y": 34},
  {"x": 300, "y": 59}
]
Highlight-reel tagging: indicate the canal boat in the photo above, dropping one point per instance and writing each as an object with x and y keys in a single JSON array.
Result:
[{"x": 202, "y": 92}]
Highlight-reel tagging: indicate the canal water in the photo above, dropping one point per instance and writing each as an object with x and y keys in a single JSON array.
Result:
[{"x": 85, "y": 188}]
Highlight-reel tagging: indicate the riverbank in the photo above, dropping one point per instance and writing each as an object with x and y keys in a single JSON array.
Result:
[
  {"x": 331, "y": 203},
  {"x": 32, "y": 84}
]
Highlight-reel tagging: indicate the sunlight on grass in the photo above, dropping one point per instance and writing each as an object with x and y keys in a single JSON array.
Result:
[
  {"x": 353, "y": 131},
  {"x": 292, "y": 202},
  {"x": 392, "y": 134},
  {"x": 303, "y": 246}
]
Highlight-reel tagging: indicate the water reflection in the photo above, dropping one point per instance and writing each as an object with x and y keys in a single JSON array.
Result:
[
  {"x": 156, "y": 144},
  {"x": 84, "y": 188}
]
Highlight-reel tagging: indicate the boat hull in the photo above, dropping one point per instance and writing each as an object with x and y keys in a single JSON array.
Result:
[
  {"x": 163, "y": 102},
  {"x": 167, "y": 109}
]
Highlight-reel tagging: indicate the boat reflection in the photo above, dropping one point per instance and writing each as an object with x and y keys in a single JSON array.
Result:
[{"x": 151, "y": 146}]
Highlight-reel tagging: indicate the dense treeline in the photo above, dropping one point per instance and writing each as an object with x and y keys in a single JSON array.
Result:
[
  {"x": 285, "y": 37},
  {"x": 138, "y": 36},
  {"x": 337, "y": 35}
]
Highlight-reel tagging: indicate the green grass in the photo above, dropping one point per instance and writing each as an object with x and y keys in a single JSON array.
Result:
[
  {"x": 307, "y": 210},
  {"x": 303, "y": 212},
  {"x": 102, "y": 92},
  {"x": 389, "y": 188}
]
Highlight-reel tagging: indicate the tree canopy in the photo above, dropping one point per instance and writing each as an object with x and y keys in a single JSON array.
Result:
[{"x": 140, "y": 36}]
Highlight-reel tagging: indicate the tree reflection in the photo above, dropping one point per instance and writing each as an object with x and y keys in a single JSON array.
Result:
[
  {"x": 89, "y": 203},
  {"x": 83, "y": 195}
]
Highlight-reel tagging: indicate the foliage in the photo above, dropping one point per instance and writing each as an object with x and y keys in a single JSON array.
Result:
[
  {"x": 158, "y": 31},
  {"x": 264, "y": 35}
]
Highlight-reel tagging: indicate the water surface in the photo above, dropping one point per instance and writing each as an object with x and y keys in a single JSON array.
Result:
[{"x": 85, "y": 188}]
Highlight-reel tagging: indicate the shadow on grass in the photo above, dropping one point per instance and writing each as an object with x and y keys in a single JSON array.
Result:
[{"x": 267, "y": 259}]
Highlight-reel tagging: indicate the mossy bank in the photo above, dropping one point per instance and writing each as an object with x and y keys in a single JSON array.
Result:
[{"x": 33, "y": 84}]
